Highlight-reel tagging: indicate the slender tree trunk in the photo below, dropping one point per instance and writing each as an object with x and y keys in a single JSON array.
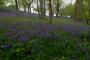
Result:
[
  {"x": 38, "y": 8},
  {"x": 57, "y": 8},
  {"x": 24, "y": 7},
  {"x": 89, "y": 7},
  {"x": 78, "y": 10},
  {"x": 29, "y": 5},
  {"x": 29, "y": 9},
  {"x": 61, "y": 13},
  {"x": 50, "y": 11},
  {"x": 17, "y": 9},
  {"x": 70, "y": 13},
  {"x": 42, "y": 8}
]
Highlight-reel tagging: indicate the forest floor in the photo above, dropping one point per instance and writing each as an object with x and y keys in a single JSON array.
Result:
[
  {"x": 31, "y": 38},
  {"x": 67, "y": 25}
]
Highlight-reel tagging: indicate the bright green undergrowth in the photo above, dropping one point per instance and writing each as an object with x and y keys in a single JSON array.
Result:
[{"x": 65, "y": 48}]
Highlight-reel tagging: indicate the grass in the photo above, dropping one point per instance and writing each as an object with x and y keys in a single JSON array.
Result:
[
  {"x": 36, "y": 20},
  {"x": 66, "y": 47}
]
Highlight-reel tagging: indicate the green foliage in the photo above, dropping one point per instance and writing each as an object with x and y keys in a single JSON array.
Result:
[
  {"x": 1, "y": 2},
  {"x": 7, "y": 8},
  {"x": 66, "y": 48}
]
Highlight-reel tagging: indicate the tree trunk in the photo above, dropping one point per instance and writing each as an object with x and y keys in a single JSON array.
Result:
[
  {"x": 42, "y": 8},
  {"x": 24, "y": 7},
  {"x": 29, "y": 5},
  {"x": 38, "y": 8},
  {"x": 70, "y": 13},
  {"x": 89, "y": 7},
  {"x": 50, "y": 11},
  {"x": 57, "y": 8},
  {"x": 17, "y": 9},
  {"x": 78, "y": 10}
]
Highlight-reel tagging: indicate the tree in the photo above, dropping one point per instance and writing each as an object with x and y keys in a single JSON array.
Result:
[
  {"x": 50, "y": 11},
  {"x": 27, "y": 4},
  {"x": 17, "y": 9},
  {"x": 42, "y": 8},
  {"x": 70, "y": 6},
  {"x": 89, "y": 7},
  {"x": 57, "y": 8},
  {"x": 78, "y": 9}
]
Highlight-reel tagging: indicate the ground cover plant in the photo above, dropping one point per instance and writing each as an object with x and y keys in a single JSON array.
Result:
[
  {"x": 44, "y": 29},
  {"x": 25, "y": 39}
]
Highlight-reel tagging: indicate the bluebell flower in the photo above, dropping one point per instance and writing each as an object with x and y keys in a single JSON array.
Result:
[
  {"x": 6, "y": 46},
  {"x": 23, "y": 38}
]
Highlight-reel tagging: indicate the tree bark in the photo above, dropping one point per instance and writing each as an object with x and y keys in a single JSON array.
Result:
[
  {"x": 42, "y": 8},
  {"x": 78, "y": 10},
  {"x": 38, "y": 8},
  {"x": 17, "y": 9},
  {"x": 89, "y": 7},
  {"x": 50, "y": 11},
  {"x": 57, "y": 8}
]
